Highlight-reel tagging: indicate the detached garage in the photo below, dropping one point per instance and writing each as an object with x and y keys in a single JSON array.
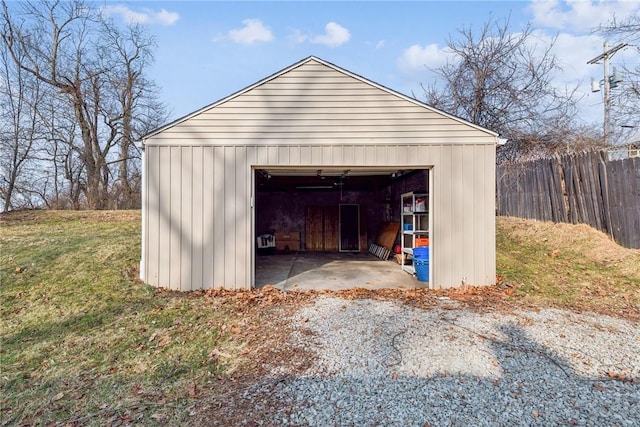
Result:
[{"x": 323, "y": 160}]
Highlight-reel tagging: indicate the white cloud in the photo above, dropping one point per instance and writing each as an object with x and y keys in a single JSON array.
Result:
[
  {"x": 380, "y": 44},
  {"x": 335, "y": 35},
  {"x": 418, "y": 58},
  {"x": 572, "y": 53},
  {"x": 167, "y": 18},
  {"x": 252, "y": 32},
  {"x": 144, "y": 16},
  {"x": 580, "y": 15}
]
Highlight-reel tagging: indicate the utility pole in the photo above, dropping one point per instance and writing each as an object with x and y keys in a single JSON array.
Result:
[
  {"x": 605, "y": 57},
  {"x": 607, "y": 92}
]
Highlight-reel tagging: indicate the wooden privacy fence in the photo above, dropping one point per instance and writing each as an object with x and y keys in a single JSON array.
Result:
[{"x": 579, "y": 188}]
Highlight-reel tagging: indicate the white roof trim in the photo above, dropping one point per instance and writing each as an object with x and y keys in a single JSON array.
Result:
[{"x": 330, "y": 65}]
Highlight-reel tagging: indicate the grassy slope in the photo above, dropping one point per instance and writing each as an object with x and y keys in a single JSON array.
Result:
[
  {"x": 81, "y": 335},
  {"x": 568, "y": 265},
  {"x": 83, "y": 340}
]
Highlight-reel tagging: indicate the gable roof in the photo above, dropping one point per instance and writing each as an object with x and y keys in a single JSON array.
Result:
[{"x": 329, "y": 65}]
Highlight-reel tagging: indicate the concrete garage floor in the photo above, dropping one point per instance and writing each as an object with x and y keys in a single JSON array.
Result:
[{"x": 331, "y": 270}]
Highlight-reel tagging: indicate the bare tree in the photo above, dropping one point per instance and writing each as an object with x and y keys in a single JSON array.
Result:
[
  {"x": 52, "y": 43},
  {"x": 98, "y": 71},
  {"x": 502, "y": 80},
  {"x": 20, "y": 131},
  {"x": 63, "y": 181},
  {"x": 135, "y": 106}
]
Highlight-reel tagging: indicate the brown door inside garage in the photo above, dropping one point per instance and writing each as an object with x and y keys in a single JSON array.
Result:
[{"x": 322, "y": 227}]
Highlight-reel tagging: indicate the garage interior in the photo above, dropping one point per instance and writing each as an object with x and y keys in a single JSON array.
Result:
[{"x": 323, "y": 221}]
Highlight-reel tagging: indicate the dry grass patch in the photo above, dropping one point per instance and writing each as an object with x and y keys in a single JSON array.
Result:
[{"x": 567, "y": 265}]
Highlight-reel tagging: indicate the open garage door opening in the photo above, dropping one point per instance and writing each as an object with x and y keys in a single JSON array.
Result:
[{"x": 337, "y": 227}]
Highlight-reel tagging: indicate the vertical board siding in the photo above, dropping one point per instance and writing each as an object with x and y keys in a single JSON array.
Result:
[
  {"x": 205, "y": 239},
  {"x": 164, "y": 229},
  {"x": 242, "y": 242},
  {"x": 468, "y": 211},
  {"x": 443, "y": 218},
  {"x": 186, "y": 219},
  {"x": 228, "y": 205},
  {"x": 175, "y": 215},
  {"x": 458, "y": 200},
  {"x": 487, "y": 214},
  {"x": 152, "y": 212},
  {"x": 197, "y": 233},
  {"x": 478, "y": 202},
  {"x": 218, "y": 214},
  {"x": 208, "y": 217},
  {"x": 435, "y": 154},
  {"x": 294, "y": 154}
]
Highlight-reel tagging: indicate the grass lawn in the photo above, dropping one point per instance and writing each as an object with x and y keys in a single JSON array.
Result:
[
  {"x": 83, "y": 342},
  {"x": 80, "y": 335}
]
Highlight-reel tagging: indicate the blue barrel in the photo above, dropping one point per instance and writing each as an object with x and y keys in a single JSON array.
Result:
[
  {"x": 422, "y": 268},
  {"x": 421, "y": 263}
]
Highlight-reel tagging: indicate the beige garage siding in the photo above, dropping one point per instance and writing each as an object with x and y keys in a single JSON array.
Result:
[
  {"x": 199, "y": 216},
  {"x": 317, "y": 103},
  {"x": 198, "y": 173}
]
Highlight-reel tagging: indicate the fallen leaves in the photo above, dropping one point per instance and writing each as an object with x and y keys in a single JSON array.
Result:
[
  {"x": 621, "y": 376},
  {"x": 478, "y": 296},
  {"x": 264, "y": 296}
]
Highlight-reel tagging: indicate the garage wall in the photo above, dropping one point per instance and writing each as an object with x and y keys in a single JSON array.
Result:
[
  {"x": 277, "y": 211},
  {"x": 198, "y": 208},
  {"x": 198, "y": 181}
]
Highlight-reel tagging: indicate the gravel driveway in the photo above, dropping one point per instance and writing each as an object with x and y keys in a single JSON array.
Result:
[{"x": 385, "y": 363}]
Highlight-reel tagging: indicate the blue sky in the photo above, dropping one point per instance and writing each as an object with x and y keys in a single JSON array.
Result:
[{"x": 210, "y": 49}]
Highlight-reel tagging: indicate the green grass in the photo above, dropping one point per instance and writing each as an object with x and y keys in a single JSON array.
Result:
[
  {"x": 82, "y": 340},
  {"x": 567, "y": 265},
  {"x": 80, "y": 335}
]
